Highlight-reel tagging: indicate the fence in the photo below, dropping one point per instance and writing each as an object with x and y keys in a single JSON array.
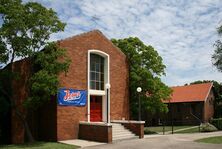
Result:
[{"x": 172, "y": 126}]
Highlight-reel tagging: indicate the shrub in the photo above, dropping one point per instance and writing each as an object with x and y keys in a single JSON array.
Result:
[
  {"x": 207, "y": 127},
  {"x": 217, "y": 122}
]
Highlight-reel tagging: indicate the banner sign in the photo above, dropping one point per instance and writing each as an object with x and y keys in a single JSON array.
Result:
[{"x": 72, "y": 97}]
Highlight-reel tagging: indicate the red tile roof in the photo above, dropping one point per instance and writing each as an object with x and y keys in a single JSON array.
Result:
[{"x": 190, "y": 93}]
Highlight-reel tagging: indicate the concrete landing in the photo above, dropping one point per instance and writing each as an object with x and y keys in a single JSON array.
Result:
[{"x": 81, "y": 143}]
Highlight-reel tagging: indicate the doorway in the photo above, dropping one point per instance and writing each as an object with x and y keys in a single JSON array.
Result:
[{"x": 95, "y": 108}]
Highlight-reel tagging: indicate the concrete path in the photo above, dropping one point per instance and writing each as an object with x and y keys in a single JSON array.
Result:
[
  {"x": 175, "y": 141},
  {"x": 81, "y": 143}
]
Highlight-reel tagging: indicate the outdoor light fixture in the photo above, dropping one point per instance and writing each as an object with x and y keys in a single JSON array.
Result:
[
  {"x": 139, "y": 90},
  {"x": 107, "y": 86}
]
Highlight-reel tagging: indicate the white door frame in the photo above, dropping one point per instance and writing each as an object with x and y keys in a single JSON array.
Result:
[{"x": 99, "y": 92}]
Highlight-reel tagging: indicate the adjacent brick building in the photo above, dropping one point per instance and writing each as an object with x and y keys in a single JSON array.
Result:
[{"x": 55, "y": 122}]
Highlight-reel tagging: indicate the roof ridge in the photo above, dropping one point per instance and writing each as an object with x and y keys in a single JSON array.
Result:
[
  {"x": 111, "y": 42},
  {"x": 89, "y": 32},
  {"x": 78, "y": 35},
  {"x": 208, "y": 91},
  {"x": 192, "y": 84}
]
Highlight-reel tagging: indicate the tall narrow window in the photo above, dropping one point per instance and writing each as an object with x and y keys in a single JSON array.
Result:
[{"x": 96, "y": 72}]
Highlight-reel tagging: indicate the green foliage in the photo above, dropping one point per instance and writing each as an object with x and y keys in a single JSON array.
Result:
[
  {"x": 207, "y": 127},
  {"x": 26, "y": 28},
  {"x": 146, "y": 67},
  {"x": 217, "y": 123},
  {"x": 44, "y": 83},
  {"x": 217, "y": 56},
  {"x": 218, "y": 96}
]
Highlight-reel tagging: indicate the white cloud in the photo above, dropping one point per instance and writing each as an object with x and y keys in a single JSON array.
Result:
[{"x": 183, "y": 31}]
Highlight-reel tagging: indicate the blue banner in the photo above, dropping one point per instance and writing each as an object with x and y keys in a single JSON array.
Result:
[{"x": 72, "y": 97}]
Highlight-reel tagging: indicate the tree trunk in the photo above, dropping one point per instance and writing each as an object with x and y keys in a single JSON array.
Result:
[{"x": 25, "y": 125}]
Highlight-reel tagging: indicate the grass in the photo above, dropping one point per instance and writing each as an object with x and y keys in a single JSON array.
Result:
[
  {"x": 39, "y": 145},
  {"x": 212, "y": 140},
  {"x": 191, "y": 130},
  {"x": 148, "y": 132},
  {"x": 159, "y": 129}
]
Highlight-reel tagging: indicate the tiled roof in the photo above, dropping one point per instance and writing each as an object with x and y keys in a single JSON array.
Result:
[{"x": 190, "y": 93}]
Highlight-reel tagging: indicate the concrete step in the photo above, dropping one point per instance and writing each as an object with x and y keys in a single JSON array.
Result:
[
  {"x": 118, "y": 126},
  {"x": 121, "y": 133},
  {"x": 122, "y": 129},
  {"x": 124, "y": 135}
]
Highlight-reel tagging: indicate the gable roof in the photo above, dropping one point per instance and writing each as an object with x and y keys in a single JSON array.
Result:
[
  {"x": 190, "y": 93},
  {"x": 93, "y": 32}
]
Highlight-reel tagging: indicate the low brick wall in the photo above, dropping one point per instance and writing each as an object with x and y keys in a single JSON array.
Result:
[
  {"x": 95, "y": 132},
  {"x": 137, "y": 127}
]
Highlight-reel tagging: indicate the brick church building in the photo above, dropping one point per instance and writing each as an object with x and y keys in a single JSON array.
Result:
[{"x": 101, "y": 70}]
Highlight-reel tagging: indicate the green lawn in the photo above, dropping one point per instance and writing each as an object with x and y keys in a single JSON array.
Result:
[
  {"x": 213, "y": 140},
  {"x": 159, "y": 129},
  {"x": 40, "y": 145},
  {"x": 192, "y": 130}
]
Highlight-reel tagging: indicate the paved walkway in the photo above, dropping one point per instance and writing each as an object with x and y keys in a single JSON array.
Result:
[
  {"x": 81, "y": 143},
  {"x": 175, "y": 141},
  {"x": 178, "y": 130}
]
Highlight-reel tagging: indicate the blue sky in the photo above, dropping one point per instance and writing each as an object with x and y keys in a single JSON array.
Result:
[{"x": 182, "y": 31}]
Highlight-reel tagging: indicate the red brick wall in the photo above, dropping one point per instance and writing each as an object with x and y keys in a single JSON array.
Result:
[
  {"x": 101, "y": 133},
  {"x": 68, "y": 117},
  {"x": 209, "y": 107}
]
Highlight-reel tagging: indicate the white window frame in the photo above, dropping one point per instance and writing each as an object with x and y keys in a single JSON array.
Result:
[{"x": 106, "y": 80}]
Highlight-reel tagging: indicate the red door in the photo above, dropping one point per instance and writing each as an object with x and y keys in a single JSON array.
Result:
[{"x": 95, "y": 108}]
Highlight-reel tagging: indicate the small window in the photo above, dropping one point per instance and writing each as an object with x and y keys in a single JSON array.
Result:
[{"x": 96, "y": 72}]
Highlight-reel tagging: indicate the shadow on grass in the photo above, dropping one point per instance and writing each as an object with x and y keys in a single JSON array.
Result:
[
  {"x": 149, "y": 132},
  {"x": 34, "y": 144},
  {"x": 39, "y": 145}
]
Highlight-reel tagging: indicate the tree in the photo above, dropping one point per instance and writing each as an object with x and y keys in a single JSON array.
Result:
[
  {"x": 25, "y": 30},
  {"x": 218, "y": 96},
  {"x": 44, "y": 81},
  {"x": 145, "y": 69},
  {"x": 217, "y": 56}
]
